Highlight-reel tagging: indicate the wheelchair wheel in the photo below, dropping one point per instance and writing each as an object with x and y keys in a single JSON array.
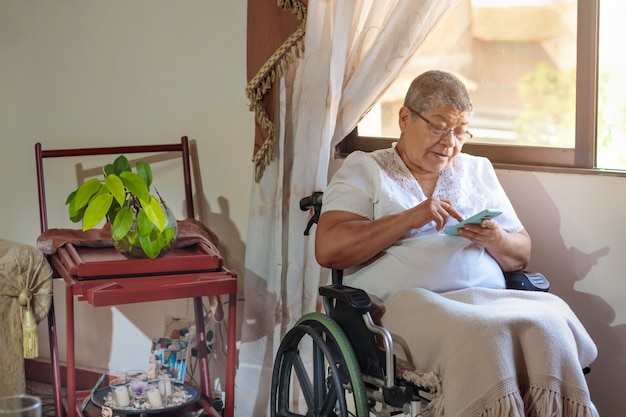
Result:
[{"x": 328, "y": 384}]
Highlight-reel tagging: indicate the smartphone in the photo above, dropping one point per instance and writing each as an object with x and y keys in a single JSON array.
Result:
[{"x": 475, "y": 219}]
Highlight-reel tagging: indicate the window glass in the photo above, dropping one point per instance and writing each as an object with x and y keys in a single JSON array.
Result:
[
  {"x": 611, "y": 143},
  {"x": 517, "y": 58}
]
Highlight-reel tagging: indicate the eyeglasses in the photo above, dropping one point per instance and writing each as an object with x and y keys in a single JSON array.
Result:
[{"x": 442, "y": 132}]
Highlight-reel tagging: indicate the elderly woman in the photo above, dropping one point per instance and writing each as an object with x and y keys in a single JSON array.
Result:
[{"x": 499, "y": 352}]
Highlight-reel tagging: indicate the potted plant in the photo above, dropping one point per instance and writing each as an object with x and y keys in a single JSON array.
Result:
[{"x": 141, "y": 224}]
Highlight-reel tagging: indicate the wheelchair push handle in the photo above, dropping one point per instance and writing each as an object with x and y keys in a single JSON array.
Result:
[{"x": 314, "y": 200}]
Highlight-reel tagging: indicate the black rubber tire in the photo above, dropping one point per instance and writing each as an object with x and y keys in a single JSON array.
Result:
[{"x": 336, "y": 387}]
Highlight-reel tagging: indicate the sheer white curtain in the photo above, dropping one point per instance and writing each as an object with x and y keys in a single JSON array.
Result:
[{"x": 353, "y": 51}]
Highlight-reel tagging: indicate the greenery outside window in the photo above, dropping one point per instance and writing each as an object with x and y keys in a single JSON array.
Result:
[{"x": 546, "y": 76}]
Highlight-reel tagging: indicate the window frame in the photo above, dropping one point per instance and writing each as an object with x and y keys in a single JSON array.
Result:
[{"x": 582, "y": 158}]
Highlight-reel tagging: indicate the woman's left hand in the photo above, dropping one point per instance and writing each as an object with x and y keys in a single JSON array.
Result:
[
  {"x": 486, "y": 234},
  {"x": 510, "y": 249}
]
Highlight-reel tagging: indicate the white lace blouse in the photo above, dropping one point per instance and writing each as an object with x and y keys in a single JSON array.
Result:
[{"x": 377, "y": 184}]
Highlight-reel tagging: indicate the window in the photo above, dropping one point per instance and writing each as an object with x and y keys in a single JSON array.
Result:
[
  {"x": 611, "y": 86},
  {"x": 546, "y": 77}
]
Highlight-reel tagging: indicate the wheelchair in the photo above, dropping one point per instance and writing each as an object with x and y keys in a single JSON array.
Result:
[{"x": 342, "y": 363}]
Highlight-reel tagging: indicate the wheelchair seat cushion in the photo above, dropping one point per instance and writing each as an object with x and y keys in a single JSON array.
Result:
[{"x": 497, "y": 349}]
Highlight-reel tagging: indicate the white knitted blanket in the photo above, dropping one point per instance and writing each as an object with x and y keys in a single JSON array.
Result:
[{"x": 500, "y": 353}]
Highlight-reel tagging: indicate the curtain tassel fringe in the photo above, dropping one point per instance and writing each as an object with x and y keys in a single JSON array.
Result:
[{"x": 29, "y": 326}]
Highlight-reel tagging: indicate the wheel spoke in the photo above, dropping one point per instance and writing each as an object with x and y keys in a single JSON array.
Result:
[
  {"x": 319, "y": 378},
  {"x": 303, "y": 377},
  {"x": 331, "y": 399}
]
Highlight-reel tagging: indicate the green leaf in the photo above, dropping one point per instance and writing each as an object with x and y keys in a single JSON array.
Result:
[
  {"x": 120, "y": 165},
  {"x": 116, "y": 187},
  {"x": 132, "y": 238},
  {"x": 149, "y": 246},
  {"x": 166, "y": 236},
  {"x": 76, "y": 216},
  {"x": 102, "y": 190},
  {"x": 70, "y": 197},
  {"x": 113, "y": 210},
  {"x": 155, "y": 212},
  {"x": 122, "y": 223},
  {"x": 85, "y": 192},
  {"x": 97, "y": 210},
  {"x": 135, "y": 185},
  {"x": 145, "y": 172},
  {"x": 144, "y": 224},
  {"x": 170, "y": 234},
  {"x": 108, "y": 170}
]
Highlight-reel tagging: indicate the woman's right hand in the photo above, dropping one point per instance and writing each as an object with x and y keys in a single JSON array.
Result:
[{"x": 434, "y": 209}]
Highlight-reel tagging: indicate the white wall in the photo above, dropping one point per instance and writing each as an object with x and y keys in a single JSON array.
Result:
[
  {"x": 92, "y": 73},
  {"x": 87, "y": 73},
  {"x": 577, "y": 223}
]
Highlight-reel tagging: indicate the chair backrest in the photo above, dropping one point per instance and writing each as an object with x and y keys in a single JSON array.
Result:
[{"x": 41, "y": 154}]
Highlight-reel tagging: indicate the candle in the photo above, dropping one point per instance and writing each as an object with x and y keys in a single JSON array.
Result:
[
  {"x": 165, "y": 387},
  {"x": 154, "y": 397},
  {"x": 121, "y": 396}
]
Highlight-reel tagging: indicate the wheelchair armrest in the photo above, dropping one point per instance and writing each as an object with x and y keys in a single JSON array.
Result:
[
  {"x": 354, "y": 297},
  {"x": 526, "y": 280}
]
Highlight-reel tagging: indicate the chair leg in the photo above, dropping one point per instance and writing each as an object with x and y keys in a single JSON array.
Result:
[
  {"x": 55, "y": 367},
  {"x": 203, "y": 360}
]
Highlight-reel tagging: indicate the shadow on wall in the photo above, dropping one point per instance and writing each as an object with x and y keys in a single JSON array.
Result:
[
  {"x": 564, "y": 266},
  {"x": 93, "y": 348},
  {"x": 231, "y": 246}
]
